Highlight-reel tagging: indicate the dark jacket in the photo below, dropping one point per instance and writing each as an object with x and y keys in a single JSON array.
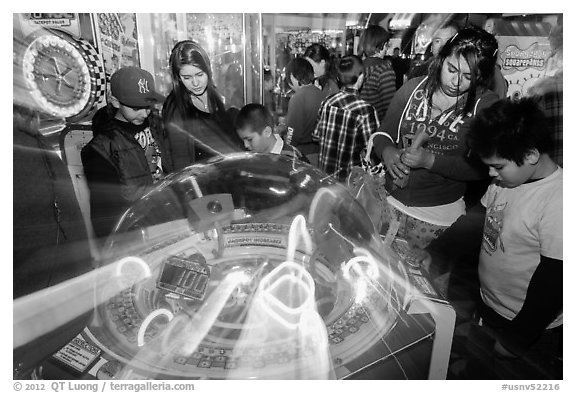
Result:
[
  {"x": 193, "y": 135},
  {"x": 116, "y": 167},
  {"x": 301, "y": 118}
]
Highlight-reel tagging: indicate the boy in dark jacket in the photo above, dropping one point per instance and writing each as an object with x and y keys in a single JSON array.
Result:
[{"x": 125, "y": 155}]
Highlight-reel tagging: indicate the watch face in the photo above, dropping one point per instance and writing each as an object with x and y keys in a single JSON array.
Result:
[{"x": 58, "y": 75}]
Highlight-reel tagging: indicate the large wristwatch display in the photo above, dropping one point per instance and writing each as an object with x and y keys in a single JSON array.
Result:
[{"x": 64, "y": 74}]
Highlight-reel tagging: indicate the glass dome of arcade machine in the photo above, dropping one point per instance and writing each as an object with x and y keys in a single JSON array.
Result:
[{"x": 261, "y": 265}]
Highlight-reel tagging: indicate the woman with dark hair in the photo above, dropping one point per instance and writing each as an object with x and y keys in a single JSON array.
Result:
[
  {"x": 324, "y": 68},
  {"x": 196, "y": 121},
  {"x": 427, "y": 180},
  {"x": 379, "y": 79}
]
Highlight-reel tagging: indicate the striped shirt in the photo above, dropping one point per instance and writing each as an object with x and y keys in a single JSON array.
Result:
[
  {"x": 379, "y": 84},
  {"x": 345, "y": 123}
]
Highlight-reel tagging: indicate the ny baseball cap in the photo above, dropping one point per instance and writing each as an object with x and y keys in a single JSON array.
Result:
[{"x": 134, "y": 87}]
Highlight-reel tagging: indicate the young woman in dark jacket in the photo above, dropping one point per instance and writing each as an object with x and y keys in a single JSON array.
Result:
[{"x": 196, "y": 122}]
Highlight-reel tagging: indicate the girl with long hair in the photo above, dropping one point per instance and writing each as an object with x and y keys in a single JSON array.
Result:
[
  {"x": 427, "y": 180},
  {"x": 196, "y": 121}
]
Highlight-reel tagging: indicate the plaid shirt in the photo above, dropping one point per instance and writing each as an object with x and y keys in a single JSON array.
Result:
[
  {"x": 345, "y": 123},
  {"x": 550, "y": 96}
]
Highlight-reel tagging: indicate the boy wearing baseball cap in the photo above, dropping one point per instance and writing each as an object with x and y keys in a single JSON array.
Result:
[{"x": 126, "y": 154}]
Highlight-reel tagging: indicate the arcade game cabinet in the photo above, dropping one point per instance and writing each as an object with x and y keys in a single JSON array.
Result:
[
  {"x": 58, "y": 83},
  {"x": 248, "y": 266}
]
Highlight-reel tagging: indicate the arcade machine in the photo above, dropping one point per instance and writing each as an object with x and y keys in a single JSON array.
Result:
[
  {"x": 59, "y": 72},
  {"x": 247, "y": 267},
  {"x": 243, "y": 267}
]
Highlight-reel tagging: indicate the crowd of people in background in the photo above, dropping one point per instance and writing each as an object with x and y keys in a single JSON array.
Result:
[{"x": 444, "y": 127}]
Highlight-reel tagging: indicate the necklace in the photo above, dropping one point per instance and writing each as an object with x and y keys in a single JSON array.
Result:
[{"x": 199, "y": 103}]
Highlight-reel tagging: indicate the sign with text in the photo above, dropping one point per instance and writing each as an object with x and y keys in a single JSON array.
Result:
[
  {"x": 67, "y": 22},
  {"x": 524, "y": 61}
]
